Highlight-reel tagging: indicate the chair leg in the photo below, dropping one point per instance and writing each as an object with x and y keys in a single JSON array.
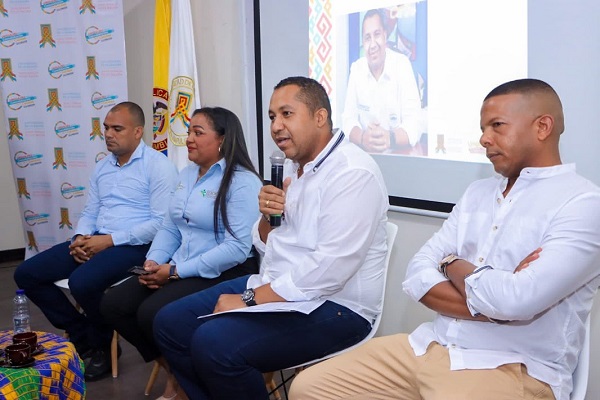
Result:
[
  {"x": 271, "y": 386},
  {"x": 152, "y": 378},
  {"x": 114, "y": 354}
]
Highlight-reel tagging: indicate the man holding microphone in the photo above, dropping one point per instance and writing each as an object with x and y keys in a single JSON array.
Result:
[{"x": 320, "y": 282}]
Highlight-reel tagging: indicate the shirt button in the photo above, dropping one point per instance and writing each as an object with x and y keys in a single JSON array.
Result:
[
  {"x": 480, "y": 259},
  {"x": 495, "y": 228},
  {"x": 499, "y": 200},
  {"x": 453, "y": 346}
]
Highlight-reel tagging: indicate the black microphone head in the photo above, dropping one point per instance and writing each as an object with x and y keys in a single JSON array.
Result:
[{"x": 277, "y": 157}]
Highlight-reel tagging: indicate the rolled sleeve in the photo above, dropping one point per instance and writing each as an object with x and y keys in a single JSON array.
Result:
[
  {"x": 284, "y": 286},
  {"x": 259, "y": 245},
  {"x": 568, "y": 258},
  {"x": 417, "y": 285},
  {"x": 422, "y": 273}
]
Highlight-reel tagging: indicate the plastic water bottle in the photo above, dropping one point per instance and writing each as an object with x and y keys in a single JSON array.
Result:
[{"x": 21, "y": 312}]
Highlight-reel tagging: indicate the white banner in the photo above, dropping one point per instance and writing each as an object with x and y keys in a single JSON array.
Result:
[
  {"x": 62, "y": 68},
  {"x": 183, "y": 80}
]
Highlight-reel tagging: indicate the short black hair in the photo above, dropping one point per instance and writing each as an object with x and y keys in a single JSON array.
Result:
[
  {"x": 522, "y": 86},
  {"x": 134, "y": 110},
  {"x": 530, "y": 86},
  {"x": 311, "y": 93}
]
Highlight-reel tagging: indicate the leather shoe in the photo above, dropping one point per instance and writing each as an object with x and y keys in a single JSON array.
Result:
[
  {"x": 83, "y": 350},
  {"x": 99, "y": 364}
]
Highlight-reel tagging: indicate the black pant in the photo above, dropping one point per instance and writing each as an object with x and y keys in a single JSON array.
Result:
[{"x": 130, "y": 307}]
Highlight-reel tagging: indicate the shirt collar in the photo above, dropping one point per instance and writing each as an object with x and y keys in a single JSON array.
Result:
[
  {"x": 535, "y": 173},
  {"x": 336, "y": 139},
  {"x": 546, "y": 172},
  {"x": 219, "y": 165},
  {"x": 137, "y": 153}
]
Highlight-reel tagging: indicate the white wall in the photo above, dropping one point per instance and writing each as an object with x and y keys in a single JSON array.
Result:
[{"x": 221, "y": 43}]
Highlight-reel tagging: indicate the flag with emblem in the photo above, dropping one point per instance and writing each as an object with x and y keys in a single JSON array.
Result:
[
  {"x": 160, "y": 87},
  {"x": 183, "y": 92}
]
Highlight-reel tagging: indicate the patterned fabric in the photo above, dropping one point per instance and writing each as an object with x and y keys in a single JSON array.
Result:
[{"x": 56, "y": 374}]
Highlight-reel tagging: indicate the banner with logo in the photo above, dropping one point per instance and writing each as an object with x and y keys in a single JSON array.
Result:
[
  {"x": 62, "y": 68},
  {"x": 182, "y": 97}
]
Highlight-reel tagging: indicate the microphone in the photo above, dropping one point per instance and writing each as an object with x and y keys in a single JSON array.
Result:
[{"x": 277, "y": 159}]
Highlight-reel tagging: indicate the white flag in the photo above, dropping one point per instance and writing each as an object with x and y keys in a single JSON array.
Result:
[{"x": 183, "y": 81}]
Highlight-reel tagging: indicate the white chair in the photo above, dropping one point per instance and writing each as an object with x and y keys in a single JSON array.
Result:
[
  {"x": 391, "y": 230},
  {"x": 581, "y": 374},
  {"x": 64, "y": 284}
]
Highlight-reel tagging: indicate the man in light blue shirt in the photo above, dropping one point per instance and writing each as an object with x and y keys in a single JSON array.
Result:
[{"x": 128, "y": 196}]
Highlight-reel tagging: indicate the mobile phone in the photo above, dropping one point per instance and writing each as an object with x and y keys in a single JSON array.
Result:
[{"x": 137, "y": 270}]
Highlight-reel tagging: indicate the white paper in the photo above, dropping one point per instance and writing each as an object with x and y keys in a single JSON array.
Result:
[{"x": 305, "y": 307}]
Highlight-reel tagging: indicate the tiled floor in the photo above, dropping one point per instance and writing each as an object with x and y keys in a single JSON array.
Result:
[{"x": 133, "y": 372}]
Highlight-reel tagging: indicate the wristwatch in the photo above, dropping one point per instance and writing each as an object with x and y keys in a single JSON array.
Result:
[
  {"x": 173, "y": 273},
  {"x": 248, "y": 297},
  {"x": 445, "y": 262}
]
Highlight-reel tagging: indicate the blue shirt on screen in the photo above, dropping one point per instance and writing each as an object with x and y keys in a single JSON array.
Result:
[{"x": 187, "y": 236}]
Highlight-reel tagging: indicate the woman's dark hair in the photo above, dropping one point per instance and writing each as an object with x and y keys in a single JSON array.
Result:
[{"x": 233, "y": 149}]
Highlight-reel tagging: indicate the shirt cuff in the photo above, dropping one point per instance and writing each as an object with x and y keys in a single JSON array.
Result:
[
  {"x": 120, "y": 238},
  {"x": 416, "y": 286},
  {"x": 285, "y": 288},
  {"x": 259, "y": 245},
  {"x": 470, "y": 284},
  {"x": 159, "y": 256}
]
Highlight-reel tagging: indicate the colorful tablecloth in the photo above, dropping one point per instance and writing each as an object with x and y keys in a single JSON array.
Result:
[{"x": 56, "y": 374}]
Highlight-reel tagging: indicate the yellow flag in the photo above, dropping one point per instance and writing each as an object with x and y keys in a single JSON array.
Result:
[{"x": 160, "y": 90}]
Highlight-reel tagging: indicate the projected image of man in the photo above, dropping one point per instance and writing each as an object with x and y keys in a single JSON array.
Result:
[{"x": 383, "y": 107}]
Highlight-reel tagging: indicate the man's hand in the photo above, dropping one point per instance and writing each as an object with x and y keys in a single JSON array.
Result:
[
  {"x": 229, "y": 302},
  {"x": 534, "y": 255},
  {"x": 85, "y": 247},
  {"x": 262, "y": 294},
  {"x": 375, "y": 139},
  {"x": 271, "y": 200},
  {"x": 76, "y": 250},
  {"x": 158, "y": 276}
]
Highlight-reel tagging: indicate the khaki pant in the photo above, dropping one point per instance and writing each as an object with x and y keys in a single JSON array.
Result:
[{"x": 387, "y": 368}]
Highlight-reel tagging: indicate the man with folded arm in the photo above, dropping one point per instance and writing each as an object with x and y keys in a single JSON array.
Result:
[{"x": 512, "y": 275}]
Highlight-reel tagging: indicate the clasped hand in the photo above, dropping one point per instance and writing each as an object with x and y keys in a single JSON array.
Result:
[
  {"x": 375, "y": 139},
  {"x": 85, "y": 247}
]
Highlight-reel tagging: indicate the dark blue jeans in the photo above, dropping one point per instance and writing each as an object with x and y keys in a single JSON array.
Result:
[
  {"x": 87, "y": 283},
  {"x": 223, "y": 357}
]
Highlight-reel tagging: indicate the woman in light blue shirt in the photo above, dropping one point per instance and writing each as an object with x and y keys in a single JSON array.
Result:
[{"x": 205, "y": 237}]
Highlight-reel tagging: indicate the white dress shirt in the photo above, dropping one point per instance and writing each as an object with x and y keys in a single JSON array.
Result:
[
  {"x": 393, "y": 101},
  {"x": 547, "y": 303},
  {"x": 331, "y": 244}
]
